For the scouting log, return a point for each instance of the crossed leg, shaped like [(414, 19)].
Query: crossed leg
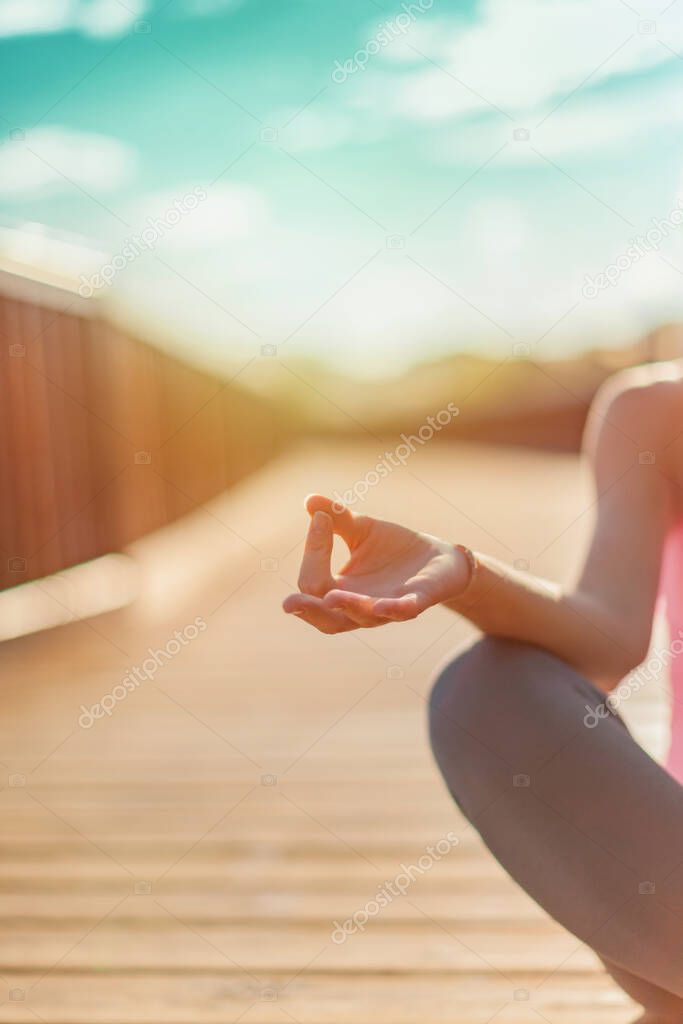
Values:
[(581, 817)]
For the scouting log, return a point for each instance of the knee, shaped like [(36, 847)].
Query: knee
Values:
[(452, 687), (478, 708), (467, 690)]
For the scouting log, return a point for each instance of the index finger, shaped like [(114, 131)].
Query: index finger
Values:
[(350, 526), (315, 575)]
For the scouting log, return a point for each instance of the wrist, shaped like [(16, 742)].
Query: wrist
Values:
[(465, 573)]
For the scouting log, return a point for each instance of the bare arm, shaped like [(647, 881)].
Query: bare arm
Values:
[(602, 623)]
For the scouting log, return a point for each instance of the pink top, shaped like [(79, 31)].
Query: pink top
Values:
[(672, 590)]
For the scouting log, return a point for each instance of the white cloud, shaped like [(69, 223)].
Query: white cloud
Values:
[(91, 17), (428, 95), (107, 18), (537, 61), (517, 262), (98, 18), (530, 54), (587, 126), (55, 159), (24, 17), (229, 211)]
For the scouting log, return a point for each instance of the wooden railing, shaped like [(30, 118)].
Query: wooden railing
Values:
[(104, 437)]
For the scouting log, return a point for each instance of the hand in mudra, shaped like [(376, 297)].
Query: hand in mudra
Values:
[(393, 573)]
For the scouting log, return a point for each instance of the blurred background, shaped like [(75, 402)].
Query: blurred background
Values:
[(250, 249), (341, 216)]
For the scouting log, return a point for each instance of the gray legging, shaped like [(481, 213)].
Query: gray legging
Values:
[(582, 818)]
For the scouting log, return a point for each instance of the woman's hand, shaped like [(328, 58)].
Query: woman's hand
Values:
[(393, 573)]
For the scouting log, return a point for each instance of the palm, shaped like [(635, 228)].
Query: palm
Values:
[(392, 561), (393, 573)]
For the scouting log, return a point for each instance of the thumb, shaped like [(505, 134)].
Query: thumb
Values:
[(315, 576)]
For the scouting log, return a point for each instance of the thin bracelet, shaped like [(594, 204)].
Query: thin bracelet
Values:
[(473, 563)]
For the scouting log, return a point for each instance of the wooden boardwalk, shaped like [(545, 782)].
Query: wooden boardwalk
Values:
[(184, 859)]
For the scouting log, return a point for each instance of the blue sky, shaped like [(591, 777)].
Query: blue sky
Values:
[(382, 181)]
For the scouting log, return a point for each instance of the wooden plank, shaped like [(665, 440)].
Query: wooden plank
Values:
[(111, 449), (23, 453), (9, 510), (429, 947), (52, 455), (241, 845), (265, 872), (469, 906), (71, 421), (213, 998)]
